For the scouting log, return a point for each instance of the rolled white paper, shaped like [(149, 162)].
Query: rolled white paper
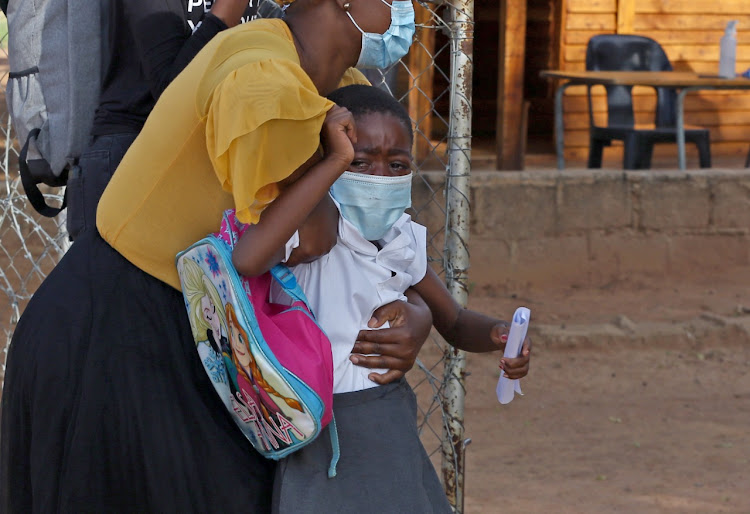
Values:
[(518, 328)]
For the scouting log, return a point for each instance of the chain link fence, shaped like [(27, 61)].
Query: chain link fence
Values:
[(434, 83)]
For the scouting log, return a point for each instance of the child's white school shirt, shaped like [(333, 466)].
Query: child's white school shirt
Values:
[(345, 287)]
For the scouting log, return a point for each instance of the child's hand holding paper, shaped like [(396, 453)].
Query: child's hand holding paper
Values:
[(506, 387)]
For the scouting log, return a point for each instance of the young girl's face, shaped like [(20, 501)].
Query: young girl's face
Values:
[(383, 146), (241, 352), (208, 310)]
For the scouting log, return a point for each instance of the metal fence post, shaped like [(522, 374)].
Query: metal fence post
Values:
[(456, 254)]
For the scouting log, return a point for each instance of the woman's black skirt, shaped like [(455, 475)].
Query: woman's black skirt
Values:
[(106, 406)]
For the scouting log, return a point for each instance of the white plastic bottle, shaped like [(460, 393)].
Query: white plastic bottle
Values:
[(728, 51)]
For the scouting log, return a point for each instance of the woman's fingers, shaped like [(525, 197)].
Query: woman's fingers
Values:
[(394, 348), (392, 312), (382, 362), (387, 377)]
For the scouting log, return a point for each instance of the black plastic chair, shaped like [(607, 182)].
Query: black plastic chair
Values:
[(618, 52)]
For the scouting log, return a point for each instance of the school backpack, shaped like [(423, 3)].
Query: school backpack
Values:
[(54, 53), (270, 364)]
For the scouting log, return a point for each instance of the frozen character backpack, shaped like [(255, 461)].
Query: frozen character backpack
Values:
[(269, 363)]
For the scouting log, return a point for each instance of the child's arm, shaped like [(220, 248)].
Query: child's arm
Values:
[(318, 234), (469, 330), (262, 244)]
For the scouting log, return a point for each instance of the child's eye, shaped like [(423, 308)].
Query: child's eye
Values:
[(359, 165)]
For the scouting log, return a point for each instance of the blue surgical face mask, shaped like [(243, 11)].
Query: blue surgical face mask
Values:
[(372, 203), (383, 50)]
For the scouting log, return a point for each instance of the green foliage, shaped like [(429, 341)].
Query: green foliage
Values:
[(4, 33)]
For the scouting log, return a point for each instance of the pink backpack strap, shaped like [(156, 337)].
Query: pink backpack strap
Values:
[(231, 228)]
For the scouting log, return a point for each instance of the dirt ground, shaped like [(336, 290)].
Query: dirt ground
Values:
[(638, 400)]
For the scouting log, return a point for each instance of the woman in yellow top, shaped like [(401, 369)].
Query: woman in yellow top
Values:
[(106, 406)]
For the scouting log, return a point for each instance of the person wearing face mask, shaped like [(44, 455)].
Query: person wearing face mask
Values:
[(380, 51), (106, 405), (379, 253)]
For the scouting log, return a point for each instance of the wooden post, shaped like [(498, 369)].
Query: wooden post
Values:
[(421, 82), (510, 97), (625, 16)]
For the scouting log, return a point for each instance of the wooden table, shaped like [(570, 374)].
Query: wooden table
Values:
[(685, 82)]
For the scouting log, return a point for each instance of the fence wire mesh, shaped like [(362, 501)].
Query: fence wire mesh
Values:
[(434, 82)]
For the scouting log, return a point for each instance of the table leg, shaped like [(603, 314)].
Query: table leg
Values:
[(681, 160), (560, 125)]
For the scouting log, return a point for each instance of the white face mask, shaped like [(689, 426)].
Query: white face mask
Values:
[(383, 50), (372, 203)]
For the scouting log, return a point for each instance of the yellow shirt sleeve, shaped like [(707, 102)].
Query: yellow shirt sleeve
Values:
[(263, 122)]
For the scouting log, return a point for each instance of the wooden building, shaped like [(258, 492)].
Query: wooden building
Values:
[(515, 39)]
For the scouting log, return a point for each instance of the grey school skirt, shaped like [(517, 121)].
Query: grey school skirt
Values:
[(383, 465)]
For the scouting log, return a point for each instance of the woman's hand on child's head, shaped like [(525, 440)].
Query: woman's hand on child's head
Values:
[(398, 346), (518, 367), (338, 135)]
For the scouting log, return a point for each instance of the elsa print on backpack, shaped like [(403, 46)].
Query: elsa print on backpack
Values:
[(269, 363), (233, 371), (208, 323)]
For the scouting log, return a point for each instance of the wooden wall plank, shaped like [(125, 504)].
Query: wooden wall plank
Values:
[(727, 7), (693, 103), (561, 20), (645, 91), (589, 6), (691, 53), (709, 68), (581, 37), (696, 21), (594, 21), (666, 37)]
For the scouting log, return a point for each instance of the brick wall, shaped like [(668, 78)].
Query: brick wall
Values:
[(591, 227)]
